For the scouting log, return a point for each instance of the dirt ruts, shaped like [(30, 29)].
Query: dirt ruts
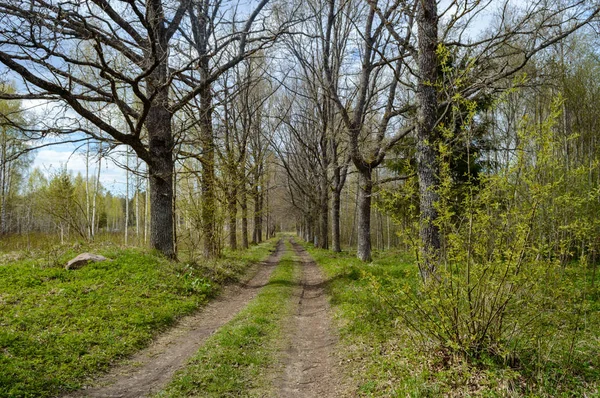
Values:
[(310, 364), (152, 368)]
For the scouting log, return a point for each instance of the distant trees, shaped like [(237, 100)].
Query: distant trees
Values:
[(13, 157), (57, 205)]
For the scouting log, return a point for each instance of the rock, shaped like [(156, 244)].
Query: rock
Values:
[(83, 259)]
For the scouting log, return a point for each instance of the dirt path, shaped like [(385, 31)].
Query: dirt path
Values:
[(153, 367), (310, 365)]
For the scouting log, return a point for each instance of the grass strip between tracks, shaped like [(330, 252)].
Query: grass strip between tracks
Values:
[(237, 360)]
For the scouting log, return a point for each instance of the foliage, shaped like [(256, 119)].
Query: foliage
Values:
[(14, 158), (505, 288), (384, 356)]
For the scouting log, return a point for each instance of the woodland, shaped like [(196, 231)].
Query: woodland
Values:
[(428, 167)]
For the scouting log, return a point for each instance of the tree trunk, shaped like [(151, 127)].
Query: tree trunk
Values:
[(137, 202), (211, 249), (261, 201), (365, 189), (127, 198), (255, 229), (244, 208), (309, 230), (96, 192), (160, 139), (146, 209), (3, 185), (335, 222), (427, 156), (324, 215), (232, 210), (90, 225), (161, 181)]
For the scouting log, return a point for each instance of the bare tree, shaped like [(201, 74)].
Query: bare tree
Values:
[(368, 115)]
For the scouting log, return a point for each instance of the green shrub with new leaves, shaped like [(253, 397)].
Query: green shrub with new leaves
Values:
[(513, 280)]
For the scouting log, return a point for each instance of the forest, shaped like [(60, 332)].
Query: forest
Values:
[(329, 198)]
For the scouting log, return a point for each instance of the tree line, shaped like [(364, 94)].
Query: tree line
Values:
[(258, 114)]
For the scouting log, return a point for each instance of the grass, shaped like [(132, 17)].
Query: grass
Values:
[(237, 359), (59, 327), (384, 358)]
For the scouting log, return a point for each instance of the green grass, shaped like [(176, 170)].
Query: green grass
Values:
[(384, 358), (237, 359), (59, 327)]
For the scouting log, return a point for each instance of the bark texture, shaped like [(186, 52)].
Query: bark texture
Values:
[(232, 210), (211, 247), (427, 140), (244, 211), (335, 223), (363, 251), (160, 140)]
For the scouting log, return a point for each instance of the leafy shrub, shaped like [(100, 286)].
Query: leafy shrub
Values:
[(504, 287)]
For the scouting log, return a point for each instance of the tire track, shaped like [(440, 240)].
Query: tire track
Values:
[(152, 368), (310, 365)]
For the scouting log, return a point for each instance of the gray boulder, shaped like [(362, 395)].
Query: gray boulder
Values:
[(84, 259)]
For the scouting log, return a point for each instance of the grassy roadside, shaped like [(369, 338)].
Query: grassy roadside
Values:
[(384, 360), (375, 363), (235, 361), (59, 327)]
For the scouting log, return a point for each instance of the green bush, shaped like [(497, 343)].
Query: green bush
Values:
[(514, 282)]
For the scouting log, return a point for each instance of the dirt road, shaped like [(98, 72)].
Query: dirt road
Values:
[(150, 369), (310, 364)]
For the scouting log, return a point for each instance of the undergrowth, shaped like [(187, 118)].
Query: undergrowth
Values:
[(386, 357)]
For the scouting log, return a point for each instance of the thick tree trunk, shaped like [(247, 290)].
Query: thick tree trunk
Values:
[(365, 189), (335, 222), (309, 230), (211, 247), (160, 139), (427, 156), (161, 180)]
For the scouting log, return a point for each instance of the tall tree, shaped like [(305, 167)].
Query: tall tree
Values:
[(367, 116), (427, 115)]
